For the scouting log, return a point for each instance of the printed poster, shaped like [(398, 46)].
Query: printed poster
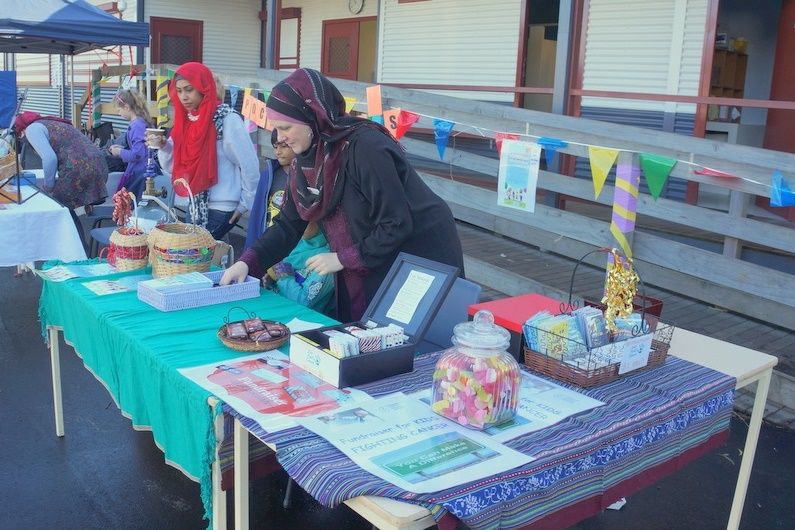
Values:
[(270, 390), (399, 439), (518, 175)]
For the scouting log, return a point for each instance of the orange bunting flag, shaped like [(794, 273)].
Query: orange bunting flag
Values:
[(405, 120), (656, 170), (247, 102), (500, 136), (374, 107), (391, 120), (602, 160)]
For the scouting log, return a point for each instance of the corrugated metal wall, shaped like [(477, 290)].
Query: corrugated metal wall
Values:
[(653, 46), (451, 42)]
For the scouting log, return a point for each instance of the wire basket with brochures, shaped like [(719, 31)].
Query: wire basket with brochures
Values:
[(588, 346)]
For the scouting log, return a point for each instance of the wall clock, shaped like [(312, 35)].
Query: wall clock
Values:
[(355, 6)]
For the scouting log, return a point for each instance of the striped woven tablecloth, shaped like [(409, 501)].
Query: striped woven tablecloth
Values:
[(653, 422)]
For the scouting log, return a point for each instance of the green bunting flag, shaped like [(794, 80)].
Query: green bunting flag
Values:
[(656, 170)]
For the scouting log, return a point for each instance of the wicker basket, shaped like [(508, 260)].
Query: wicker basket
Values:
[(128, 252), (248, 345), (586, 374), (176, 248), (587, 367)]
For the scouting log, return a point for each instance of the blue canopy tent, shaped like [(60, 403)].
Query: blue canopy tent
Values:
[(65, 27), (61, 27)]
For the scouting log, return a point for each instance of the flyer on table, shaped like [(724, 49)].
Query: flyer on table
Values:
[(267, 388), (400, 439)]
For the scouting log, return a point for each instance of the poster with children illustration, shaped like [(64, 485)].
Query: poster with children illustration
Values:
[(518, 175)]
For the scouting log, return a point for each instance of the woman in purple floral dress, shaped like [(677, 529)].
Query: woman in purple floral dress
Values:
[(79, 164)]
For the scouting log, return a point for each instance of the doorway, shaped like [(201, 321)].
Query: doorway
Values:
[(349, 49), (176, 41), (540, 49)]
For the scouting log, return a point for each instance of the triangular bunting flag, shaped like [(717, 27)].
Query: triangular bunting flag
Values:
[(349, 102), (391, 120), (441, 132), (500, 136), (377, 119), (656, 170), (405, 120), (781, 194), (714, 173), (602, 160), (550, 146), (374, 100), (233, 91)]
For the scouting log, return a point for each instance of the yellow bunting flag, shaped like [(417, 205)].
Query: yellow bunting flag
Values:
[(349, 103), (374, 107), (602, 160), (391, 120), (162, 101)]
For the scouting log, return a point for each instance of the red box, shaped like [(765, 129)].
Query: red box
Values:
[(511, 313)]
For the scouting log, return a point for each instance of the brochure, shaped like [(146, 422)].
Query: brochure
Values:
[(400, 439)]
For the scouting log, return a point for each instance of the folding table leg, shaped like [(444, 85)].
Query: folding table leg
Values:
[(749, 451), (241, 476), (55, 364), (219, 495)]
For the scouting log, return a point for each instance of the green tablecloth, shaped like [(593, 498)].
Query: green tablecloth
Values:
[(135, 350)]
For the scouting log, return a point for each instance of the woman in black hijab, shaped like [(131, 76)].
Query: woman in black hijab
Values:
[(351, 177)]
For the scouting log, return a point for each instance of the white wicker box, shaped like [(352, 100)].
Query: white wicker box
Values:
[(200, 297)]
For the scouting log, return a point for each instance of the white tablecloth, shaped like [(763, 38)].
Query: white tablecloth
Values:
[(39, 229)]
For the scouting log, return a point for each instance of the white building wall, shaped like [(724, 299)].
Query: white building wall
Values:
[(451, 42), (313, 14), (653, 46), (232, 30)]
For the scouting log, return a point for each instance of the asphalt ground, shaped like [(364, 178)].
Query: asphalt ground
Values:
[(104, 474)]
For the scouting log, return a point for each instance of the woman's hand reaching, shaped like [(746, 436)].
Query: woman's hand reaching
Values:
[(237, 273)]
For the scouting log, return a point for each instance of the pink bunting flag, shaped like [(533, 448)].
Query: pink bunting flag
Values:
[(405, 120), (714, 173), (374, 107), (500, 136)]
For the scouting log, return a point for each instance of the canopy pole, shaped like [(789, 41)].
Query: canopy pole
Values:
[(72, 86)]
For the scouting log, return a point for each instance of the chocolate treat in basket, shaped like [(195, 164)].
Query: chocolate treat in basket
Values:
[(253, 333), (588, 346)]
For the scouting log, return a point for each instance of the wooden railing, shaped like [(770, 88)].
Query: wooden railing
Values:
[(721, 279)]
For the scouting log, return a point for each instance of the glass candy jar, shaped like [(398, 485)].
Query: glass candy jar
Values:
[(476, 383)]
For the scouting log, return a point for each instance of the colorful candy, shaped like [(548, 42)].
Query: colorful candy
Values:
[(477, 383)]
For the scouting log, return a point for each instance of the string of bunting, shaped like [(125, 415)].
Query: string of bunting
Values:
[(655, 168)]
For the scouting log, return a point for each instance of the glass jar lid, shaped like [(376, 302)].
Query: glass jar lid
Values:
[(482, 333)]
